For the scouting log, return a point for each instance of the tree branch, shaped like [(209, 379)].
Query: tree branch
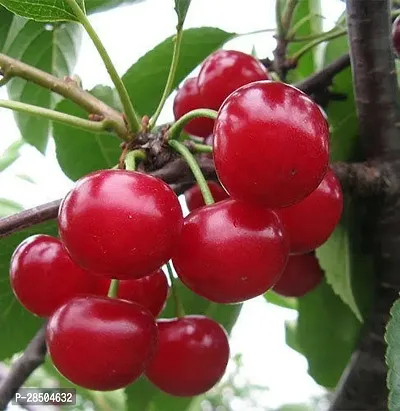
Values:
[(67, 88), (363, 386), (22, 368)]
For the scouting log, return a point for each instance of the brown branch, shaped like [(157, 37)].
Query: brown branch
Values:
[(67, 88), (323, 78), (363, 386), (33, 356)]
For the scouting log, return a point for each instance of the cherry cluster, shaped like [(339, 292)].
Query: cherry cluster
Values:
[(396, 35), (101, 285)]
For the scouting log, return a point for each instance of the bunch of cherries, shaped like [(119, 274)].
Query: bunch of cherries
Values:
[(101, 285)]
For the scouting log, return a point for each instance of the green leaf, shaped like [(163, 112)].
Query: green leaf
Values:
[(10, 155), (285, 302), (327, 331), (142, 395), (52, 48), (6, 19), (145, 80), (181, 8), (8, 207), (96, 6), (42, 10), (17, 325), (291, 337), (307, 64), (392, 338), (80, 152)]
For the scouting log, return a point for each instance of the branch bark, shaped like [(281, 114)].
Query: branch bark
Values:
[(22, 368), (67, 88), (363, 387)]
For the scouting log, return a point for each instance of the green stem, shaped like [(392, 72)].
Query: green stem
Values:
[(319, 36), (201, 148), (292, 32), (171, 77), (280, 32), (94, 126), (132, 157), (131, 116), (177, 128), (179, 310), (288, 15), (194, 166), (328, 36), (250, 33), (113, 290)]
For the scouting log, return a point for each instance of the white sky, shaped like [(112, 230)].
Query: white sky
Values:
[(128, 33)]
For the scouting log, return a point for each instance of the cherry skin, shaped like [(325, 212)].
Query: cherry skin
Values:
[(191, 356), (310, 222), (188, 98), (150, 292), (396, 35), (230, 252), (280, 137), (194, 198), (101, 343), (302, 274), (224, 71), (43, 276), (122, 224)]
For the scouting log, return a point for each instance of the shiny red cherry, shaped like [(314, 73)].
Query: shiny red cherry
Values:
[(188, 98), (230, 252), (100, 343), (43, 276), (123, 224), (191, 356), (301, 275), (194, 198), (310, 222), (151, 291), (396, 35), (224, 71), (280, 139)]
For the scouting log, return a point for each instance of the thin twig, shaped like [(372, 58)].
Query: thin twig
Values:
[(33, 356)]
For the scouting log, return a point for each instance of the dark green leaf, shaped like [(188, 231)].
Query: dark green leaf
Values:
[(327, 331), (144, 396), (145, 80), (8, 207), (6, 18), (285, 302), (392, 338), (306, 65), (52, 48), (17, 325), (10, 155), (181, 8), (42, 10), (96, 6), (80, 152)]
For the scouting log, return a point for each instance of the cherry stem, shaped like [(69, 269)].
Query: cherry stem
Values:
[(132, 158), (201, 148), (113, 290), (196, 170), (179, 310), (131, 116), (176, 129)]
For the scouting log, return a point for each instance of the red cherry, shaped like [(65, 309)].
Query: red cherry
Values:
[(151, 291), (101, 343), (191, 356), (396, 35), (194, 198), (187, 99), (225, 71), (309, 223), (43, 276), (122, 224), (302, 274), (279, 137), (230, 252)]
